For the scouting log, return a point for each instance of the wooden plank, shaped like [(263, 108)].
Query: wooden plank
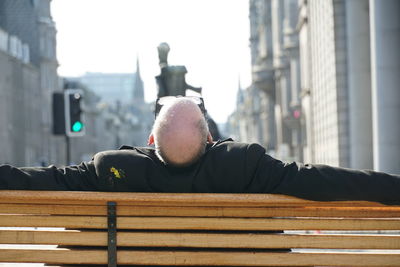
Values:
[(213, 258), (53, 209), (42, 237), (168, 199), (202, 240), (187, 223), (260, 241), (259, 212), (92, 222)]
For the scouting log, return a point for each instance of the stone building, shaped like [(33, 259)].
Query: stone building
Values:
[(274, 97), (330, 73), (353, 100), (112, 88), (249, 122), (28, 76)]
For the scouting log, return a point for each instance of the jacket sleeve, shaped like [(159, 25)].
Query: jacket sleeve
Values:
[(321, 182), (77, 178)]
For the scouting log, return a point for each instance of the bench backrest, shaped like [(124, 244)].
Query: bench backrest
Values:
[(195, 229)]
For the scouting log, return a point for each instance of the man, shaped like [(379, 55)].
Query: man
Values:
[(186, 159)]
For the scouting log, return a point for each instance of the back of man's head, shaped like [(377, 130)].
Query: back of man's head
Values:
[(180, 133)]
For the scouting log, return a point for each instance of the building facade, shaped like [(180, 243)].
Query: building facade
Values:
[(113, 88), (329, 71), (28, 77)]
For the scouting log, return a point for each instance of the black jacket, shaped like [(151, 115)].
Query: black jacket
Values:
[(226, 167)]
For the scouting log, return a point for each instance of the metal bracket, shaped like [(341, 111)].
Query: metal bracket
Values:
[(112, 233)]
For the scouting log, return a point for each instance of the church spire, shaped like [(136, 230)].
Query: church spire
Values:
[(137, 65), (239, 94), (138, 90)]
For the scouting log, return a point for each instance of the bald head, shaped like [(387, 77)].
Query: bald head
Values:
[(180, 133)]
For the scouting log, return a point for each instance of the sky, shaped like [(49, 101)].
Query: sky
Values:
[(209, 37)]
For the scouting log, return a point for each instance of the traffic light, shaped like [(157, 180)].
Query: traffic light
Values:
[(74, 125)]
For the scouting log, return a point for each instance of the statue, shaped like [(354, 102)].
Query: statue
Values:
[(171, 81)]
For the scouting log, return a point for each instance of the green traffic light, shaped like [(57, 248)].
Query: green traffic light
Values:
[(77, 126)]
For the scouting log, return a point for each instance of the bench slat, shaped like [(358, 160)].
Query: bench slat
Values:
[(202, 240), (169, 199), (185, 223), (349, 212), (227, 258)]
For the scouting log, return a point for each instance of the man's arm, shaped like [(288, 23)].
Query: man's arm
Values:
[(322, 182), (78, 178)]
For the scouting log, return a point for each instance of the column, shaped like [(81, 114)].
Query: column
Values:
[(359, 84), (385, 69)]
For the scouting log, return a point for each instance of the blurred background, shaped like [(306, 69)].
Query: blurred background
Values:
[(315, 81)]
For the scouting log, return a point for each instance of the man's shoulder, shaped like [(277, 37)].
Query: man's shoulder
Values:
[(232, 147), (234, 144), (126, 160), (125, 169), (125, 151)]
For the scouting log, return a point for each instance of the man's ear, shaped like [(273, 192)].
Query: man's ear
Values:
[(150, 141), (210, 138)]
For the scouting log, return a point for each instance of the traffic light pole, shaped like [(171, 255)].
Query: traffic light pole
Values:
[(68, 150)]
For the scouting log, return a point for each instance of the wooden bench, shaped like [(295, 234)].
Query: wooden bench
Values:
[(195, 229)]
